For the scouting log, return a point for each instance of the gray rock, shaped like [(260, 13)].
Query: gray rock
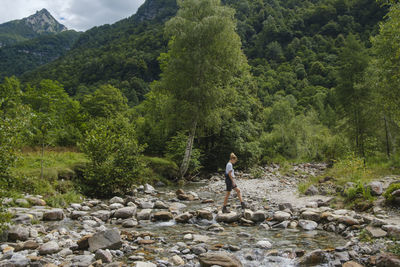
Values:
[(283, 206), (144, 214), (148, 189), (125, 213), (160, 205), (183, 218), (228, 217), (375, 232), (110, 239), (129, 223), (18, 233), (392, 230), (264, 244), (117, 200), (376, 188), (146, 205), (76, 206), (220, 259), (103, 255), (311, 191), (19, 260), (103, 215), (204, 214), (116, 206), (281, 216), (281, 225), (65, 252), (177, 261), (310, 215), (53, 215), (50, 247), (83, 260), (258, 216), (199, 249), (308, 225), (77, 214)]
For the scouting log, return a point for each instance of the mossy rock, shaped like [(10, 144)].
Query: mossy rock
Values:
[(163, 167), (390, 197)]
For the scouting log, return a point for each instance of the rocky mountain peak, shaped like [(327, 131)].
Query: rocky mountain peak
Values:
[(43, 22)]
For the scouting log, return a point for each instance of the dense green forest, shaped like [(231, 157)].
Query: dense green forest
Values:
[(314, 81), (28, 55)]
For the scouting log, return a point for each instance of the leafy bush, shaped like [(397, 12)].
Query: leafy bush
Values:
[(390, 190), (115, 158), (175, 151)]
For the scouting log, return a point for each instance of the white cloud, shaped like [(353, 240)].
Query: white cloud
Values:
[(75, 14)]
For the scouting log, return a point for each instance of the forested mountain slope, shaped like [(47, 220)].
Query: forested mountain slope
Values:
[(291, 45)]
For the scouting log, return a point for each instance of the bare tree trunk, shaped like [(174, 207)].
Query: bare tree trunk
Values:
[(387, 137), (188, 151), (41, 161)]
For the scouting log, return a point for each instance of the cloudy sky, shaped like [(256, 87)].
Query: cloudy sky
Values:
[(75, 14)]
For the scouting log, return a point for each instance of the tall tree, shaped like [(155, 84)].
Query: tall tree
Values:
[(386, 46), (352, 93), (204, 56)]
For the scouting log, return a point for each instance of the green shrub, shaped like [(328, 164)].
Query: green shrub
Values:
[(115, 158), (390, 190), (256, 172)]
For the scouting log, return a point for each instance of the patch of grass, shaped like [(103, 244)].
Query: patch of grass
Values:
[(365, 237), (64, 200), (394, 248), (162, 166), (54, 162)]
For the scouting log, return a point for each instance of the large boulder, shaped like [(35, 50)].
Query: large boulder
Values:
[(222, 259), (144, 264), (144, 214), (110, 239), (117, 200), (376, 188), (281, 216), (125, 213), (50, 247), (18, 233), (228, 217), (53, 215), (103, 215)]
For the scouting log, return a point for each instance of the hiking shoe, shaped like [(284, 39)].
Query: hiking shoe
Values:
[(243, 205), (225, 209)]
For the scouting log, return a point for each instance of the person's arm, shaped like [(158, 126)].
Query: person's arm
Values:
[(230, 176)]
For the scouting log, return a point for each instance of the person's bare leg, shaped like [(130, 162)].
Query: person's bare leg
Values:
[(226, 197), (239, 194)]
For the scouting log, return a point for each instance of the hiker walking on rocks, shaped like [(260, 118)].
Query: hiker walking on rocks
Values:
[(230, 183)]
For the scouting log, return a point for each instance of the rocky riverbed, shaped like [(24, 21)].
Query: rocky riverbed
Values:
[(168, 227)]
